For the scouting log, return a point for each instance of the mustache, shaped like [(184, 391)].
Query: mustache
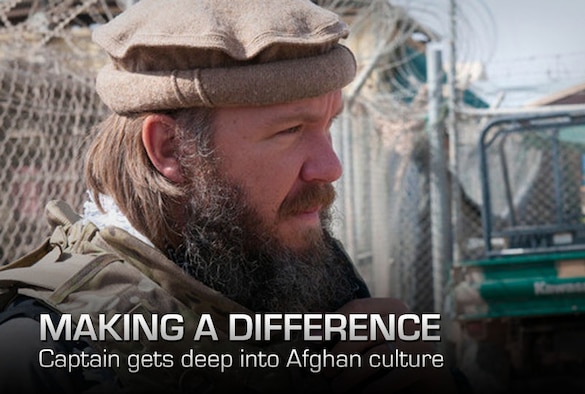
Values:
[(308, 197)]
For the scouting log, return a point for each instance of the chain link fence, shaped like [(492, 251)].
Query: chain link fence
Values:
[(44, 120), (384, 202), (47, 109)]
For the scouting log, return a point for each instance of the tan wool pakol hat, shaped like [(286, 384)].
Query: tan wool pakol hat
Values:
[(185, 53)]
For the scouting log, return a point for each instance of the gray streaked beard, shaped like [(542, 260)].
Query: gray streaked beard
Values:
[(228, 248)]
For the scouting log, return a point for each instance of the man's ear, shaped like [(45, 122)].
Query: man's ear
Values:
[(160, 141)]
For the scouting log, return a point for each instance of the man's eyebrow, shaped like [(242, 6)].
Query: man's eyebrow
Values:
[(291, 117), (303, 114)]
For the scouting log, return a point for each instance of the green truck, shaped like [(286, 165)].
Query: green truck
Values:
[(519, 310)]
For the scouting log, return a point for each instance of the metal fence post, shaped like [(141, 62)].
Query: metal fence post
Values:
[(440, 218)]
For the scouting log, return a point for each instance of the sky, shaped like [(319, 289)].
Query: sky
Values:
[(528, 48)]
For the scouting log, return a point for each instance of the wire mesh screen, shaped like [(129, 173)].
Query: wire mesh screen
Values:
[(45, 118), (47, 109)]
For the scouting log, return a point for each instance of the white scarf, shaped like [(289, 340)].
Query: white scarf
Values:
[(111, 217)]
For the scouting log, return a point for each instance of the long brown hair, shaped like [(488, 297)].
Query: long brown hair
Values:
[(117, 165)]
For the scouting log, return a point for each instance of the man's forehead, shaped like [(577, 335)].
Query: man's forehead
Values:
[(310, 110), (313, 110)]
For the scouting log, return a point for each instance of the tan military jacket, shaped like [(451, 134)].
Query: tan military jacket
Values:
[(81, 269)]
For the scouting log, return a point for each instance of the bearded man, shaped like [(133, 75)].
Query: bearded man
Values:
[(210, 192)]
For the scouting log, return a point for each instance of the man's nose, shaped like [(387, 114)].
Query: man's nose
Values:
[(322, 164)]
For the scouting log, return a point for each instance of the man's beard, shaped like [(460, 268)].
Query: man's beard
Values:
[(228, 247)]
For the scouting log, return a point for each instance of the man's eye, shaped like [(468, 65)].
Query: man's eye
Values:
[(291, 130)]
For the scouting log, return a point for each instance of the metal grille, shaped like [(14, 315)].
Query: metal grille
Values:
[(533, 174)]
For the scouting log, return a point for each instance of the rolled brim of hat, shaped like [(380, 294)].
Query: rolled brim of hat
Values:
[(246, 85)]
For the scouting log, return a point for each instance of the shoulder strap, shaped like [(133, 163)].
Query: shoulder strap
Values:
[(60, 264), (60, 214)]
